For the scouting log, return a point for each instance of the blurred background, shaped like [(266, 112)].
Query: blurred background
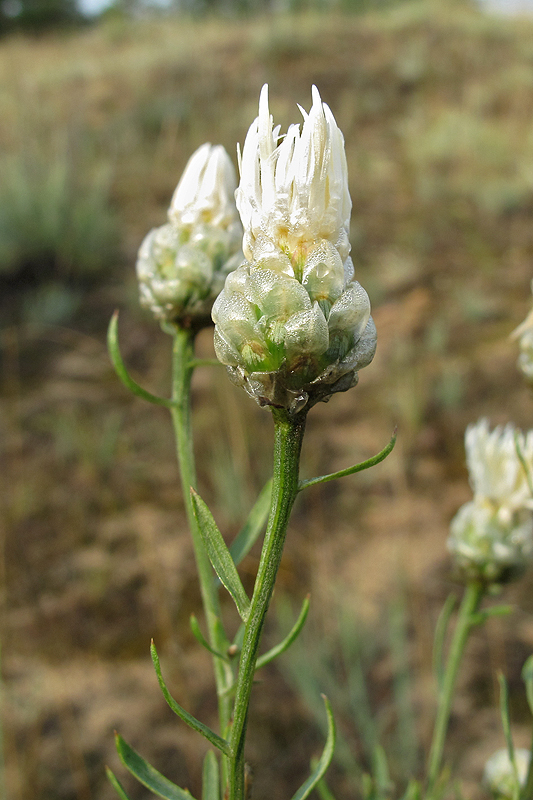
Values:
[(100, 107)]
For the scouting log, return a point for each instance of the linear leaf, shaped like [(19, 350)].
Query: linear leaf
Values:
[(148, 775), (122, 372), (527, 677), (249, 533), (198, 635), (219, 555), (117, 786), (506, 723), (289, 639), (210, 777), (441, 629), (325, 759), (370, 462), (194, 723)]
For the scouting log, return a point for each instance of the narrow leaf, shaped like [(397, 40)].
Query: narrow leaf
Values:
[(122, 372), (148, 775), (527, 677), (381, 772), (496, 611), (506, 723), (413, 791), (441, 629), (219, 555), (194, 723), (351, 470), (324, 792), (198, 635), (325, 759), (117, 786), (210, 777), (289, 639), (249, 533)]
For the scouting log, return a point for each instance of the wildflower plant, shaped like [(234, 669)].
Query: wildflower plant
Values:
[(292, 327)]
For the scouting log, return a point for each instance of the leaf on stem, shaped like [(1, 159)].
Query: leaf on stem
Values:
[(198, 635), (351, 470), (219, 555), (289, 639), (496, 611), (249, 533), (210, 777), (506, 723), (116, 784), (193, 723), (441, 630), (122, 372), (148, 775), (325, 759)]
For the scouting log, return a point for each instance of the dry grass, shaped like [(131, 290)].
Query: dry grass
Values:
[(435, 102)]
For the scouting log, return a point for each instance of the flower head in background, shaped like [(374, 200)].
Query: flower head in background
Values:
[(524, 334), (292, 325), (500, 777), (491, 537), (182, 265)]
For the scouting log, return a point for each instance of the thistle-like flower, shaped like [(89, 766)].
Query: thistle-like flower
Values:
[(292, 325), (491, 537), (500, 777), (524, 334), (182, 265)]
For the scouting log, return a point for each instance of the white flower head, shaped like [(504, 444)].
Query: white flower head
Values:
[(206, 190), (496, 462), (294, 188), (182, 265), (491, 537), (292, 325)]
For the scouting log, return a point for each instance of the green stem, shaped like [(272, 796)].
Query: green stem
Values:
[(182, 370), (466, 620), (289, 433)]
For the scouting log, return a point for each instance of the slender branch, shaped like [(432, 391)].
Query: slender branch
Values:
[(467, 618), (182, 369), (289, 433)]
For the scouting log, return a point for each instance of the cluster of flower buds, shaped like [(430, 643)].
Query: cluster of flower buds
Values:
[(524, 334), (491, 537), (182, 265), (292, 325)]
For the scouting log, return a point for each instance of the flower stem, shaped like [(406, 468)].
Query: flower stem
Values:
[(466, 620), (289, 431), (182, 370)]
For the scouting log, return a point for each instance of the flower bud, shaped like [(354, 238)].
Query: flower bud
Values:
[(292, 325), (499, 775), (491, 537), (182, 265)]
